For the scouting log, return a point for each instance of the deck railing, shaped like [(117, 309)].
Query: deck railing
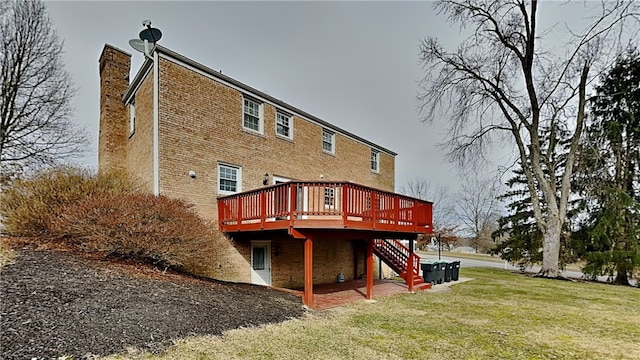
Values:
[(319, 204)]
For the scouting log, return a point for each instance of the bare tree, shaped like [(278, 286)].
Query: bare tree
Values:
[(503, 84), (477, 209), (36, 91), (443, 202)]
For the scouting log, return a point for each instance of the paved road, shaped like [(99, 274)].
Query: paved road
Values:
[(501, 265)]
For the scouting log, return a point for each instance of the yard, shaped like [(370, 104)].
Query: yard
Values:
[(498, 315)]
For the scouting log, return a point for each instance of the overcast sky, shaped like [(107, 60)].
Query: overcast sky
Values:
[(353, 64)]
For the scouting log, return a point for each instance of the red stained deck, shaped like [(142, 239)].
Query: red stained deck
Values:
[(324, 205), (312, 209)]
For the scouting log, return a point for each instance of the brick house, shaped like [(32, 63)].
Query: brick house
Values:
[(190, 132)]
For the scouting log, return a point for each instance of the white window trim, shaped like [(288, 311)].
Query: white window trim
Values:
[(132, 118), (290, 117), (333, 141), (260, 116), (238, 179), (377, 154)]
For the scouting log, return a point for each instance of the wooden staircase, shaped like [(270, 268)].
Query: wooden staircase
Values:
[(401, 260)]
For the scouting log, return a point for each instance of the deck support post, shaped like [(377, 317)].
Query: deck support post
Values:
[(308, 272), (369, 268)]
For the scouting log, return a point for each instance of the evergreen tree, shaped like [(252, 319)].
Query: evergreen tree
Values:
[(610, 174), (520, 240)]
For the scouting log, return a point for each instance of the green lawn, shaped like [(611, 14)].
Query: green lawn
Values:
[(499, 315)]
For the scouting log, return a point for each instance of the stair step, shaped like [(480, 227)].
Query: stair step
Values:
[(398, 262), (422, 287)]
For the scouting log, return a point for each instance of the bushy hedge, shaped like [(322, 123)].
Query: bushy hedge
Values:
[(155, 229), (27, 204), (105, 214)]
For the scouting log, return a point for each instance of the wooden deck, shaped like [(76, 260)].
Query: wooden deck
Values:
[(323, 205), (312, 210)]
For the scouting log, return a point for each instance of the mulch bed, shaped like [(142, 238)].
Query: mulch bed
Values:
[(59, 303)]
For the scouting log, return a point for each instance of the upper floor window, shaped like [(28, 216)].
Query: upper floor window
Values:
[(132, 118), (229, 179), (375, 160), (284, 125), (328, 141), (252, 115)]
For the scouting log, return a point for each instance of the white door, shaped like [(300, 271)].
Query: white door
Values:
[(261, 262)]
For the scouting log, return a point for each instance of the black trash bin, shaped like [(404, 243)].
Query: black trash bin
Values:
[(455, 273), (447, 271), (429, 271), (442, 267)]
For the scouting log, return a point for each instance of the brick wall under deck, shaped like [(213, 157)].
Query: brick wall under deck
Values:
[(330, 258)]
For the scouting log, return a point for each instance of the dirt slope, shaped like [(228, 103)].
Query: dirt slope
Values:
[(56, 303)]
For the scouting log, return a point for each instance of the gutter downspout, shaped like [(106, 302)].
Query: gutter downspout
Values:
[(156, 126)]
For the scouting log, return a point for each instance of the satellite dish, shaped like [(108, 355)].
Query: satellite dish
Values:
[(151, 34), (148, 39), (140, 45)]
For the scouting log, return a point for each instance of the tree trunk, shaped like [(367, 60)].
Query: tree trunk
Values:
[(621, 275), (551, 248)]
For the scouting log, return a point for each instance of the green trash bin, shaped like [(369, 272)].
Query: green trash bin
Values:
[(448, 270), (442, 267), (455, 274), (429, 271)]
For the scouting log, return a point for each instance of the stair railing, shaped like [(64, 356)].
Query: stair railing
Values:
[(399, 257)]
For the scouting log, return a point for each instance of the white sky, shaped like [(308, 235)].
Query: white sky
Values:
[(353, 64)]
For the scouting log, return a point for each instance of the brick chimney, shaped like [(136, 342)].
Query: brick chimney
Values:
[(114, 65)]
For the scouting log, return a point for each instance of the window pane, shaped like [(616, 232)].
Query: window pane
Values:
[(327, 140), (228, 178), (374, 160), (282, 124), (259, 258), (283, 130), (251, 122), (251, 115), (227, 185), (329, 196)]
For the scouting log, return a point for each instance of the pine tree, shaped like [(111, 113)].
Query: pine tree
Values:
[(610, 173)]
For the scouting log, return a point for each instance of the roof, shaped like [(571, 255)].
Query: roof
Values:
[(245, 88)]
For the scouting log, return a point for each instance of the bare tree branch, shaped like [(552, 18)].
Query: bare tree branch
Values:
[(501, 80), (36, 91)]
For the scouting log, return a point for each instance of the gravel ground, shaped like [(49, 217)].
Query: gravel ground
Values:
[(57, 303)]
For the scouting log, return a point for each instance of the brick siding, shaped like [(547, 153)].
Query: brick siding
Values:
[(200, 125)]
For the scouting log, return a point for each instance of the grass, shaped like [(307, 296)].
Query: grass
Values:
[(497, 315)]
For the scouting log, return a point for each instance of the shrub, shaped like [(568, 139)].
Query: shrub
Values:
[(27, 204), (104, 214), (154, 229)]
